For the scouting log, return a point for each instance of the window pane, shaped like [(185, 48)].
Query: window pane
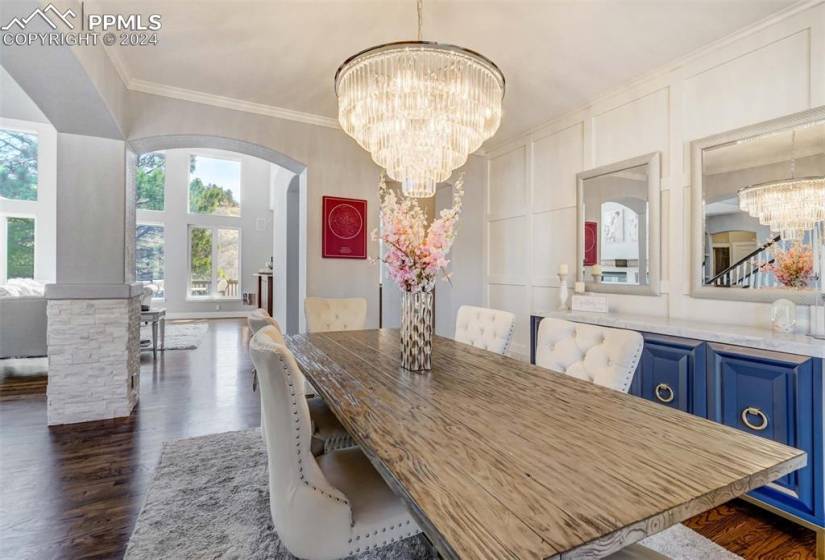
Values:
[(18, 165), (151, 178), (228, 262), (200, 263), (214, 186), (20, 245), (149, 257)]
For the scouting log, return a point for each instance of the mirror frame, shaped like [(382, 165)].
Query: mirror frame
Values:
[(653, 161), (697, 223)]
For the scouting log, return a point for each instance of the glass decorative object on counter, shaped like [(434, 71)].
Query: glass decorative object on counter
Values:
[(783, 316)]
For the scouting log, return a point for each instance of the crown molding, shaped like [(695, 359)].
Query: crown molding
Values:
[(496, 145), (163, 90), (194, 96)]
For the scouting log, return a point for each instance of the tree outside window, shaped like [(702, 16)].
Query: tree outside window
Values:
[(214, 262), (200, 261), (20, 247), (18, 165), (151, 181), (214, 186)]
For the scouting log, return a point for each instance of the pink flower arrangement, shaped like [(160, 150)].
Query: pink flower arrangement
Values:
[(414, 253), (793, 267)]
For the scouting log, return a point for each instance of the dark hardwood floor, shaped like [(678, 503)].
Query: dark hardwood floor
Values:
[(75, 491)]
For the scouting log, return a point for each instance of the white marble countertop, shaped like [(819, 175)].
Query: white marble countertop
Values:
[(750, 337)]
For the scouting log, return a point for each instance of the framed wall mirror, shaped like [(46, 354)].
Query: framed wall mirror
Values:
[(748, 242), (618, 226)]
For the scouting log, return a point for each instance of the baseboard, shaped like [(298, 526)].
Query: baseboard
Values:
[(239, 314)]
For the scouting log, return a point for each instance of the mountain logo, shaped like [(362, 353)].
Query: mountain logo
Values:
[(44, 14)]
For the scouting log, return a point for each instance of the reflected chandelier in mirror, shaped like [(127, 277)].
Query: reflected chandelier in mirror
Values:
[(758, 210)]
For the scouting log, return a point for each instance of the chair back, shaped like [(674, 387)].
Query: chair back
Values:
[(306, 509), (601, 355), (485, 328), (259, 319), (335, 314)]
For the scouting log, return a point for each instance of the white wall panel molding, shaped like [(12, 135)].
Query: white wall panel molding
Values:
[(640, 126), (507, 248), (764, 83), (767, 70), (557, 157), (496, 280), (507, 192), (554, 243), (800, 14)]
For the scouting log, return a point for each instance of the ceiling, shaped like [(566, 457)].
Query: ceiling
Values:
[(555, 55), (775, 147)]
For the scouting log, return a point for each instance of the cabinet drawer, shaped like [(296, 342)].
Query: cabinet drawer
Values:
[(672, 373), (770, 395)]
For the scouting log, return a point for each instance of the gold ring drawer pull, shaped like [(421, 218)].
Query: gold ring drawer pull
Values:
[(753, 411), (664, 393)]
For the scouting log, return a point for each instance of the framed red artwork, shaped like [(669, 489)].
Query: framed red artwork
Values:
[(345, 228), (591, 243)]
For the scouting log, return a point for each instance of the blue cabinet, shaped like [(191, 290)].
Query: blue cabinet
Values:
[(672, 372), (768, 394), (776, 396)]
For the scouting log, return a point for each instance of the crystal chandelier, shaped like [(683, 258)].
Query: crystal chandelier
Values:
[(790, 207), (419, 108)]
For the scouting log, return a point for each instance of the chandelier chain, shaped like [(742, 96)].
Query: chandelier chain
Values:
[(420, 9)]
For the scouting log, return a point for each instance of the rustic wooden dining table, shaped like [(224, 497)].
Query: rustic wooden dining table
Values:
[(497, 458)]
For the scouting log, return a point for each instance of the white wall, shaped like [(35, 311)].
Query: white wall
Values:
[(91, 210), (771, 70), (466, 259), (255, 223)]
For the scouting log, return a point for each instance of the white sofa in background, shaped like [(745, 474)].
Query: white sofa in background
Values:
[(22, 319)]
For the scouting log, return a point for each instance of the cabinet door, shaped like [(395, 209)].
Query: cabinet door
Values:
[(672, 373), (770, 395)]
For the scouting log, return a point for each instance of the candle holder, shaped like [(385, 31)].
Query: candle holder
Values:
[(564, 293)]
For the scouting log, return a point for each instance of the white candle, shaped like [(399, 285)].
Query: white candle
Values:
[(579, 287), (596, 270), (563, 269)]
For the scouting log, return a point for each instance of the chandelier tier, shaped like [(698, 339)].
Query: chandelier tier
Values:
[(419, 108), (790, 207)]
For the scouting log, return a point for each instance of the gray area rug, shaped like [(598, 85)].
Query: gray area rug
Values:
[(179, 336), (209, 499)]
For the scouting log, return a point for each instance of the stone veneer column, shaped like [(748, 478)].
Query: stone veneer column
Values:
[(94, 354), (93, 331)]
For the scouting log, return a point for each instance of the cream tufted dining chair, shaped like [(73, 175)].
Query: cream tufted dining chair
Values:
[(335, 314), (326, 508), (604, 356), (326, 428), (489, 329)]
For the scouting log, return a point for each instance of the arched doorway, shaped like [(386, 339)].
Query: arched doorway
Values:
[(287, 191)]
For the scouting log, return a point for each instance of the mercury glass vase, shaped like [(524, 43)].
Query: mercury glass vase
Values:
[(417, 330)]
